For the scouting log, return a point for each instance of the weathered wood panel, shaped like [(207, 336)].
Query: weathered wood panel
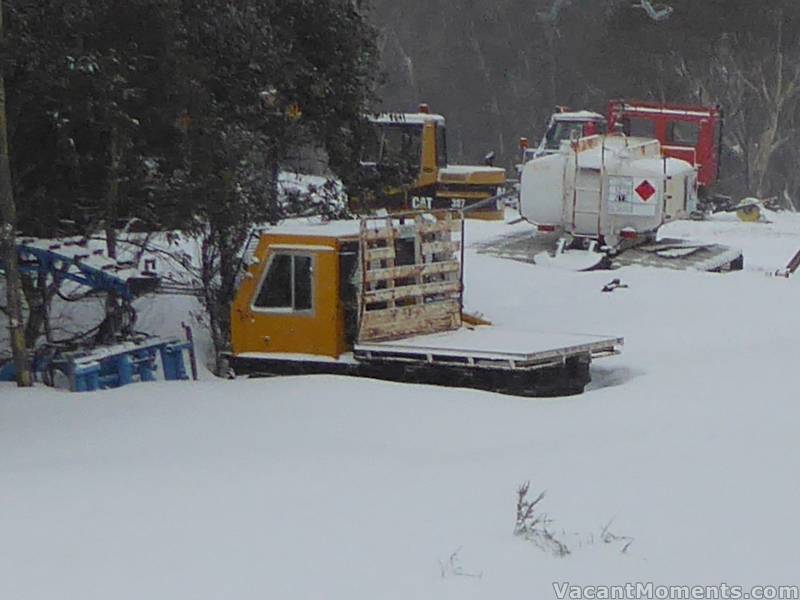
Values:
[(426, 227), (377, 234), (404, 321), (383, 253), (443, 247), (404, 271), (410, 291)]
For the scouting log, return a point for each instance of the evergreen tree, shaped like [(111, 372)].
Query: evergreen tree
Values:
[(8, 249), (86, 93), (179, 113), (257, 80)]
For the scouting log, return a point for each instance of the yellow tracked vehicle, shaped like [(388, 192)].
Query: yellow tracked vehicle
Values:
[(382, 298)]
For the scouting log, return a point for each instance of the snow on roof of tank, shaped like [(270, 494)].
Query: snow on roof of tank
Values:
[(578, 115), (668, 166), (656, 166), (611, 150), (413, 118)]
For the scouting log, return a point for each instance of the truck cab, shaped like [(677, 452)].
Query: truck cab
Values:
[(566, 125), (296, 296)]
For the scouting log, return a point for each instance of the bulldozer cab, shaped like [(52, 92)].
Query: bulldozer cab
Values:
[(412, 140), (417, 143), (392, 144)]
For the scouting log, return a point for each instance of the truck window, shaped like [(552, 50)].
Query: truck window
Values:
[(562, 130), (636, 127), (683, 133), (302, 282), (287, 284), (441, 146)]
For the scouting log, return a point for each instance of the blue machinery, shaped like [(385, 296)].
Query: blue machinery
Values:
[(103, 366), (72, 259), (121, 364)]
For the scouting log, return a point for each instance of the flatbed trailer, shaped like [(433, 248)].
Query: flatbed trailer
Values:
[(383, 299), (521, 363)]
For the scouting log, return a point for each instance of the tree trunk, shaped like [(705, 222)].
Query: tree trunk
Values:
[(8, 244), (38, 295), (112, 195), (113, 321), (273, 204), (212, 300)]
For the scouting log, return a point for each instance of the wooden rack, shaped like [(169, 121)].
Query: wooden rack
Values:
[(412, 274)]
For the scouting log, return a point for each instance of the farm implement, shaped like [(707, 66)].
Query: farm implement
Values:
[(80, 363)]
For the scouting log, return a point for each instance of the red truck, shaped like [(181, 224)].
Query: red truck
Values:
[(690, 133)]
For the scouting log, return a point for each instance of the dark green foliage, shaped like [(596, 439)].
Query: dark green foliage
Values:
[(189, 97), (256, 80), (78, 73), (178, 114)]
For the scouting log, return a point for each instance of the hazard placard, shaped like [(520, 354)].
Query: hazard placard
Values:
[(645, 190), (630, 196)]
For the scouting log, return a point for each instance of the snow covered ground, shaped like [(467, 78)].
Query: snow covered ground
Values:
[(325, 487)]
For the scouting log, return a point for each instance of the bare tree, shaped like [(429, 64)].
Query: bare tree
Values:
[(774, 83), (756, 81), (8, 244)]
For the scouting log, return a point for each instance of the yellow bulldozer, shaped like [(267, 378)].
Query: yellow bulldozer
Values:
[(420, 137)]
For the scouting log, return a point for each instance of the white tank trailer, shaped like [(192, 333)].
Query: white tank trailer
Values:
[(608, 188)]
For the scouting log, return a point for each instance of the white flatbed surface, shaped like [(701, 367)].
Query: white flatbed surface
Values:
[(495, 341)]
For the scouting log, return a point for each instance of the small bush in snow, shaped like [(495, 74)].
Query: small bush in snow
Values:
[(452, 567), (607, 537), (533, 525)]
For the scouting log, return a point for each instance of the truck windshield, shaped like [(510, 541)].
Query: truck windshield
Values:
[(393, 143), (560, 131)]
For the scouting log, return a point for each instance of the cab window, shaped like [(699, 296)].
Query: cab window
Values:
[(635, 127), (441, 146), (288, 283), (683, 133)]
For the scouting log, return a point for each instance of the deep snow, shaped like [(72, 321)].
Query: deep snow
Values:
[(325, 487)]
